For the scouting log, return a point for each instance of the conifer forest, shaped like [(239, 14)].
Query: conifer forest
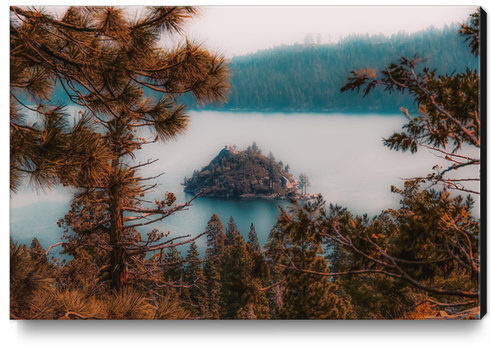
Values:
[(117, 259)]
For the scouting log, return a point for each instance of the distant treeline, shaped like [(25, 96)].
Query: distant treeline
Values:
[(308, 77)]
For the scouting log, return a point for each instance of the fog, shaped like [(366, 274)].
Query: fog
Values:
[(238, 30)]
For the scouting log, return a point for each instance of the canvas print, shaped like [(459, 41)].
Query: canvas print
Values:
[(246, 163)]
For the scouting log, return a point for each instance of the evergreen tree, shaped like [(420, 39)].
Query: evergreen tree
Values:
[(273, 247), (448, 108), (308, 40), (272, 169), (304, 182), (253, 240), (174, 269), (31, 284), (215, 243), (235, 274), (254, 293), (319, 39), (420, 243), (214, 252), (113, 68), (297, 250), (255, 148), (232, 233), (194, 276), (243, 274), (213, 287)]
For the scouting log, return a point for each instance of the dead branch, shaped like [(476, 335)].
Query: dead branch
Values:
[(57, 244), (143, 249)]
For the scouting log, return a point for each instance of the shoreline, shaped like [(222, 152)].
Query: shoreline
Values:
[(298, 197)]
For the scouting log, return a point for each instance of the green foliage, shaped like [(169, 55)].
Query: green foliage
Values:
[(448, 107), (472, 32), (429, 245), (432, 242), (174, 272), (243, 273), (253, 241), (297, 250), (232, 233), (113, 67), (235, 272), (194, 275), (213, 287), (215, 243), (307, 77)]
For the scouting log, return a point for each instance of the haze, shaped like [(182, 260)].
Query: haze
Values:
[(238, 30)]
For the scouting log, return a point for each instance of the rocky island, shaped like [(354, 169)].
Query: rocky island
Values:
[(247, 174)]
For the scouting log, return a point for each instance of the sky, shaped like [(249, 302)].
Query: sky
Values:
[(238, 30)]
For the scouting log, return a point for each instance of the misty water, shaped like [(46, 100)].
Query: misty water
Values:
[(342, 154)]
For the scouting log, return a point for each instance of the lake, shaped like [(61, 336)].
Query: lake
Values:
[(342, 154)]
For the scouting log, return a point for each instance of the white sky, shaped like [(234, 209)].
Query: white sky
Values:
[(237, 30)]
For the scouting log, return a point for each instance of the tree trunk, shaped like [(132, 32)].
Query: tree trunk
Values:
[(117, 253), (116, 230)]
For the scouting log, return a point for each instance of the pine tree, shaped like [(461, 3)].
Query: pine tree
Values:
[(254, 293), (31, 284), (255, 148), (174, 269), (244, 272), (194, 276), (273, 247), (235, 274), (232, 233), (448, 110), (304, 182), (114, 69), (297, 251), (213, 287), (272, 169), (253, 241), (215, 249), (215, 243)]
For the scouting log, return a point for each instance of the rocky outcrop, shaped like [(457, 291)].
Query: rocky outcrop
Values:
[(245, 174)]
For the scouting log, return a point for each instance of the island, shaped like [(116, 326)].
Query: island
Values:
[(247, 174)]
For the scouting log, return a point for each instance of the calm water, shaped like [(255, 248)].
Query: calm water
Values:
[(342, 154)]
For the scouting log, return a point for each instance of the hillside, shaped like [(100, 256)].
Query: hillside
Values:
[(243, 174), (308, 77)]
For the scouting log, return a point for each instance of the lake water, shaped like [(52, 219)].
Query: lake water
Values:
[(342, 154)]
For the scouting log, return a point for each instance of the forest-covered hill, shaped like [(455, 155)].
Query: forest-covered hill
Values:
[(245, 174), (308, 77)]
